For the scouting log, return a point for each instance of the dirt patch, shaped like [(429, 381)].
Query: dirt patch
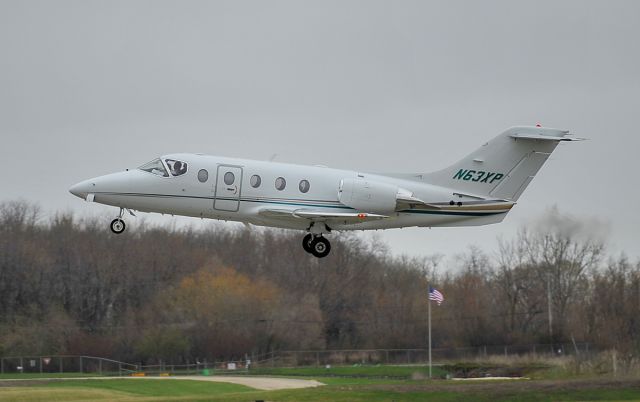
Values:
[(262, 383)]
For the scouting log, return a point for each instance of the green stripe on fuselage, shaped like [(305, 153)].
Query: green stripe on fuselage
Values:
[(301, 203)]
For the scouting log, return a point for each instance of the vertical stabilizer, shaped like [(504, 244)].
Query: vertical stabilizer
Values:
[(503, 167)]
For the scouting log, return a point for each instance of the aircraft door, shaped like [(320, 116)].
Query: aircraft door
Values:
[(228, 188)]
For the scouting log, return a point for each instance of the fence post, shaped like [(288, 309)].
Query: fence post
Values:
[(120, 369), (1, 365), (60, 364), (505, 351), (386, 352), (100, 366), (534, 350), (22, 363), (81, 364), (317, 359), (408, 357), (40, 364)]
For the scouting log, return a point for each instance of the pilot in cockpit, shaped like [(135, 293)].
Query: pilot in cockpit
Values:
[(177, 168)]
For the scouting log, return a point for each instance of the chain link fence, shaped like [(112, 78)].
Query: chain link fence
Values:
[(64, 364), (56, 365), (292, 358), (90, 365)]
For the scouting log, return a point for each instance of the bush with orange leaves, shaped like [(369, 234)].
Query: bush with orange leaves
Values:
[(224, 313)]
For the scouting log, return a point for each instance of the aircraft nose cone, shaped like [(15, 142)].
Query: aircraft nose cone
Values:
[(81, 189)]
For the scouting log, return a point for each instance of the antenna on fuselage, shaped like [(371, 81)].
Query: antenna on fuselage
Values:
[(273, 157)]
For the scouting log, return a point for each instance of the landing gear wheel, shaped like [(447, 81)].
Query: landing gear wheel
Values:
[(306, 243), (320, 247), (117, 226)]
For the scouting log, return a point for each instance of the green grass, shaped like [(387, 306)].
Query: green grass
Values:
[(357, 383), (352, 371), (338, 389), (358, 395), (367, 390), (155, 387), (8, 376), (125, 390)]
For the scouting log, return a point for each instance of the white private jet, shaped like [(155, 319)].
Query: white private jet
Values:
[(478, 190)]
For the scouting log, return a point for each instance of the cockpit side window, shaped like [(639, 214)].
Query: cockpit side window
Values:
[(177, 168), (156, 167)]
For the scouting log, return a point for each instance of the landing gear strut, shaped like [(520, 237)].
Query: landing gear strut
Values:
[(306, 243), (316, 245), (117, 225)]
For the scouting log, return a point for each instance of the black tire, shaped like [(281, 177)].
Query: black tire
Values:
[(118, 226), (306, 243), (320, 247)]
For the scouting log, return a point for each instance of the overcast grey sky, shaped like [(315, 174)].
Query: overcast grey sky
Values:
[(91, 87)]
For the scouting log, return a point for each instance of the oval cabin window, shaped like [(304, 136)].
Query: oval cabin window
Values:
[(255, 181), (203, 175), (304, 186), (229, 178)]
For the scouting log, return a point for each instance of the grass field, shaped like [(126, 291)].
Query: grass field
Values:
[(404, 372), (7, 376), (337, 389), (342, 384), (122, 390)]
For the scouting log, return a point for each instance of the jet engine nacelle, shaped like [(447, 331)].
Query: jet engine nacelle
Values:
[(368, 196)]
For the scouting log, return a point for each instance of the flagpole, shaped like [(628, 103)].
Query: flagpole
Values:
[(429, 309)]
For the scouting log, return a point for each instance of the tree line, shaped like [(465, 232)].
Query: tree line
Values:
[(69, 286)]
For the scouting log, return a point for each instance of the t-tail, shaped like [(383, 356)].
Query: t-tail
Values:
[(503, 167)]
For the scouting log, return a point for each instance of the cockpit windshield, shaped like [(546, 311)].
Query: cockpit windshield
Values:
[(177, 168), (156, 167)]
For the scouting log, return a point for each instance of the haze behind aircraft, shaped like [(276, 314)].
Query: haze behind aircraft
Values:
[(480, 189)]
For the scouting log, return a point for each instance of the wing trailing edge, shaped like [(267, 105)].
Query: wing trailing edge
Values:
[(320, 215)]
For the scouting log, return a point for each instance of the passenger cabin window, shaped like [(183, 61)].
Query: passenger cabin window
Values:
[(255, 181), (177, 168), (281, 183), (203, 175), (156, 167), (304, 186), (229, 178)]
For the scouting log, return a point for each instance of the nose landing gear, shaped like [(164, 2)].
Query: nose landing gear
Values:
[(117, 225), (316, 245)]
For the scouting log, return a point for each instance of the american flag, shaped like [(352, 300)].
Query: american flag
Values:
[(435, 295)]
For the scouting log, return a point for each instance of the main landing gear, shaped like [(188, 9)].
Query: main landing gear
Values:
[(316, 245), (117, 225)]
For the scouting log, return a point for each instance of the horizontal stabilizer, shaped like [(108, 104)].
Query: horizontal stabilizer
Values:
[(544, 137)]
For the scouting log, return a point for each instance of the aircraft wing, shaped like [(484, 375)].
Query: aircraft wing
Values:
[(321, 215)]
